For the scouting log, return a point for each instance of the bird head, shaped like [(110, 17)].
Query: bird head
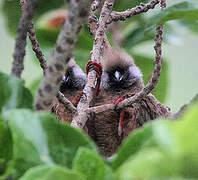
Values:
[(74, 78), (120, 72)]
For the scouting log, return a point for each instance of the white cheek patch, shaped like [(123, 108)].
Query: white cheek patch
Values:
[(135, 71), (78, 72), (104, 80)]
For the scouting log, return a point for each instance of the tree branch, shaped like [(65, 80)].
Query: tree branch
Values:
[(163, 4), (115, 16), (92, 23), (155, 75), (67, 104), (19, 51), (34, 41), (184, 107), (148, 88), (95, 5), (61, 54), (99, 42), (36, 48)]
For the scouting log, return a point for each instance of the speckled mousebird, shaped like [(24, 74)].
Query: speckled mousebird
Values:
[(121, 78), (72, 84)]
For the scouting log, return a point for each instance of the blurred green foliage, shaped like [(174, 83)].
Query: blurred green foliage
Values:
[(13, 93), (36, 146)]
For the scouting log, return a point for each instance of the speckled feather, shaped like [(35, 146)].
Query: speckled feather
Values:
[(71, 85)]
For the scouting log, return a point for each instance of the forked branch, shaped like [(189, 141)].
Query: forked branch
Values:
[(36, 48), (67, 104), (141, 8), (34, 41), (83, 108), (99, 42), (150, 85)]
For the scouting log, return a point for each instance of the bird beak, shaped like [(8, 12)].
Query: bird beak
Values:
[(118, 76), (65, 78)]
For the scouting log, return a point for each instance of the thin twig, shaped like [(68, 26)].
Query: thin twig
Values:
[(95, 5), (155, 75), (92, 23), (67, 104), (36, 48), (101, 108), (20, 44), (141, 8), (99, 42), (61, 54), (184, 107), (147, 89), (34, 41), (163, 4)]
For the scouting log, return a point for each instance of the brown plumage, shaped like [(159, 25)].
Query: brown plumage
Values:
[(72, 83), (121, 78)]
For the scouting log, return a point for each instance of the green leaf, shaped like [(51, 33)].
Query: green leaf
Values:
[(6, 147), (45, 172), (90, 164), (186, 144), (192, 25), (171, 152), (183, 10), (35, 85), (39, 139), (149, 164), (146, 66), (136, 37), (81, 58), (13, 94), (132, 145), (109, 174)]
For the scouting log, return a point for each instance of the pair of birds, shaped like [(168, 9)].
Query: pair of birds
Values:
[(121, 78)]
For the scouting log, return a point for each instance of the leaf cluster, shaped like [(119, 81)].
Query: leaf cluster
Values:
[(34, 145)]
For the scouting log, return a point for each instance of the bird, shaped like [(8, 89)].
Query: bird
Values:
[(71, 86), (121, 79)]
